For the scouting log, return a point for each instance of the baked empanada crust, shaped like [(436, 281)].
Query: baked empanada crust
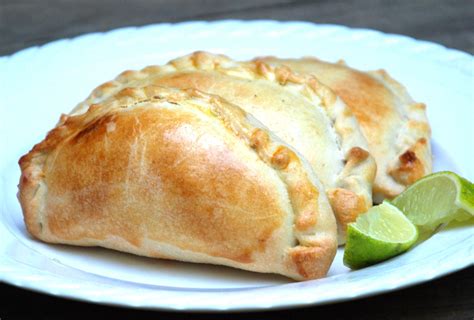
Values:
[(396, 127), (178, 175), (299, 109)]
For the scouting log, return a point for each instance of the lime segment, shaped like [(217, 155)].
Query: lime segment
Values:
[(436, 199), (379, 234)]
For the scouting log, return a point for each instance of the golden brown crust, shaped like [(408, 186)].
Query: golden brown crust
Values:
[(392, 122), (307, 260), (28, 196), (167, 173), (412, 140), (346, 205), (358, 155), (411, 167), (324, 135)]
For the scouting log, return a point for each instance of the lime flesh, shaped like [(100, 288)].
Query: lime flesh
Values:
[(437, 199), (379, 234)]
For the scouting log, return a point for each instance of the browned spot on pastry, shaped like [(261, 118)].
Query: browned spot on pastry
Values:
[(358, 154), (259, 139), (53, 137), (306, 219), (199, 58), (284, 75), (305, 197), (262, 68), (281, 158), (91, 127), (408, 158), (200, 80), (367, 98), (245, 257), (93, 107), (313, 262), (163, 174), (263, 239), (126, 92), (84, 132), (152, 69), (346, 205), (410, 166), (24, 178)]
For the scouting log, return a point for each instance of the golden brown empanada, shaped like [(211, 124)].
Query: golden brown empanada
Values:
[(299, 109), (178, 175), (396, 127)]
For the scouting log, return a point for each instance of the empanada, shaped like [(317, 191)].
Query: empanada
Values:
[(396, 127), (178, 175), (299, 109)]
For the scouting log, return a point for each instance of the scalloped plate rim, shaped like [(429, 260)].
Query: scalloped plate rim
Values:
[(225, 21)]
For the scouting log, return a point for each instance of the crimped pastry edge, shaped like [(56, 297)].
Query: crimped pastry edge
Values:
[(309, 259), (355, 181), (413, 158)]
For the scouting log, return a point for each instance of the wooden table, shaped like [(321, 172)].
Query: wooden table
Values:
[(28, 22)]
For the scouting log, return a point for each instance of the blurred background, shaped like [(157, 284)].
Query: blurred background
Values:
[(25, 23)]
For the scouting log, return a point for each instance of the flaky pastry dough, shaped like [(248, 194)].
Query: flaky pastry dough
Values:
[(178, 174), (299, 109), (396, 127)]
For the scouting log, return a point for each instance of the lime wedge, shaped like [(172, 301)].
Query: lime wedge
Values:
[(377, 235), (436, 199)]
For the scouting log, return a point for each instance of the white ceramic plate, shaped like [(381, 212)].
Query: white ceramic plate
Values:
[(37, 84)]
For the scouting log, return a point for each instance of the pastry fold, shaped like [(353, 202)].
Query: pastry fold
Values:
[(396, 127), (299, 109), (178, 174)]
